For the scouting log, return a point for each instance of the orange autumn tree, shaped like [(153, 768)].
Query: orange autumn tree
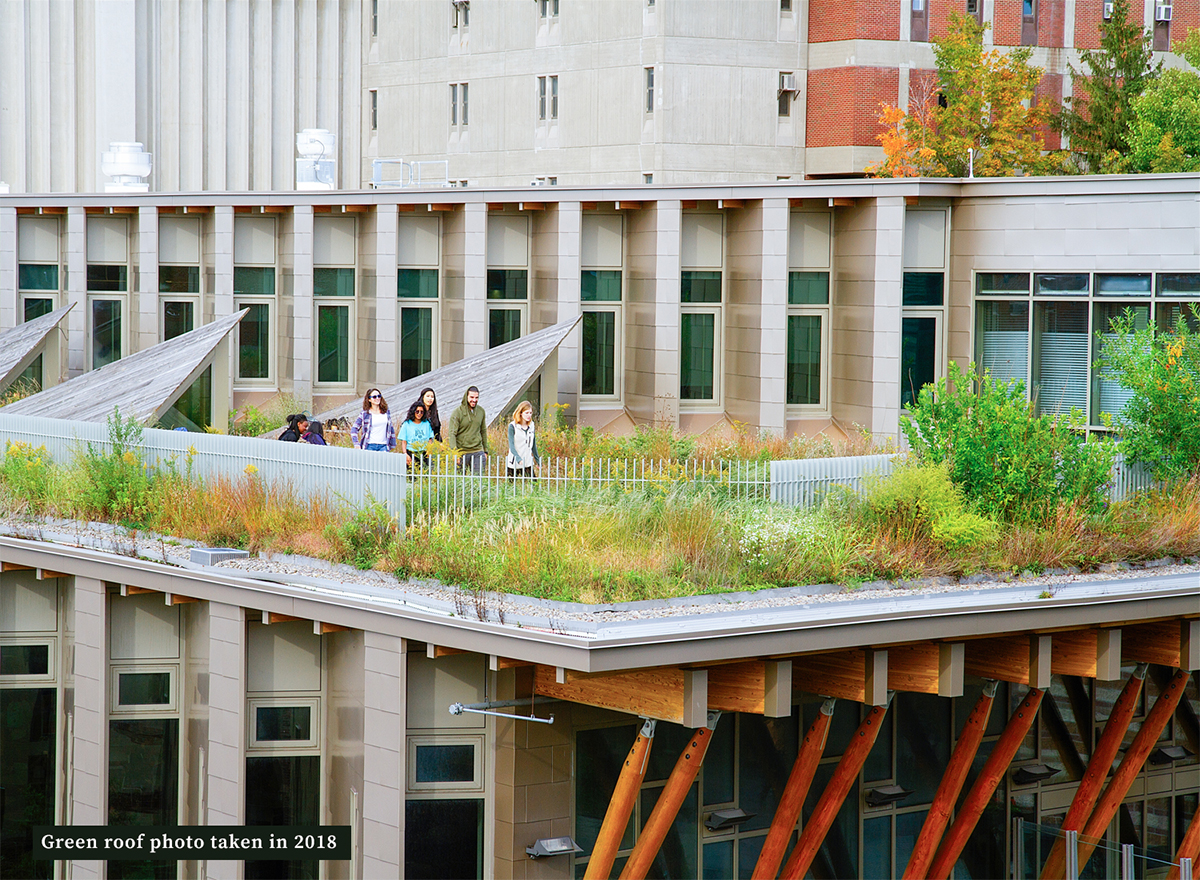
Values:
[(980, 100)]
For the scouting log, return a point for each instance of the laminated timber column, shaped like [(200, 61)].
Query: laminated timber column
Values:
[(1189, 847), (651, 837), (1131, 765), (951, 785), (794, 794), (834, 794), (608, 841), (981, 792), (1097, 770)]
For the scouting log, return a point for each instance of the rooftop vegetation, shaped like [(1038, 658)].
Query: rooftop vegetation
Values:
[(991, 486)]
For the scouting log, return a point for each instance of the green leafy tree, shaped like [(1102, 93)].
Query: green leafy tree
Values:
[(984, 102), (1098, 116), (1160, 425)]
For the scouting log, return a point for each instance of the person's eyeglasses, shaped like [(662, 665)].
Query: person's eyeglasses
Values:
[(376, 397)]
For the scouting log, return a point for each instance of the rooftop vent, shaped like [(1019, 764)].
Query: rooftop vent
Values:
[(317, 168), (128, 165)]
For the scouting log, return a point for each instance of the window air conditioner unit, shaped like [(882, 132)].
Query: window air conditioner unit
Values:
[(1162, 12), (787, 82), (918, 5)]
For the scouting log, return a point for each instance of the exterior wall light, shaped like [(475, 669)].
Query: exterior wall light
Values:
[(718, 820), (886, 794), (1168, 754), (553, 846), (1034, 773)]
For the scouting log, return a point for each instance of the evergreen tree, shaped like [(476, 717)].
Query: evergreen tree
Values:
[(1097, 118)]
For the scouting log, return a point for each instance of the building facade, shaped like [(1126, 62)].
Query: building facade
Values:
[(790, 307), (502, 93)]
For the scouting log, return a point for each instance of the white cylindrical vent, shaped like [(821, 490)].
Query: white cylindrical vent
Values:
[(128, 165), (317, 167)]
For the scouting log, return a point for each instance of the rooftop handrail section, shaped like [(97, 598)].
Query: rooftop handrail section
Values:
[(349, 474), (412, 174)]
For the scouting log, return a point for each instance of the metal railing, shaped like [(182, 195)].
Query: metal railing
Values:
[(1032, 844), (430, 172), (349, 474), (440, 486), (804, 482)]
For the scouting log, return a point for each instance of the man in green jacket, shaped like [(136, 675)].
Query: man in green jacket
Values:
[(467, 432)]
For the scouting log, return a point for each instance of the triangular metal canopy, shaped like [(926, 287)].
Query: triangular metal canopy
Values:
[(501, 373), (20, 346), (142, 386)]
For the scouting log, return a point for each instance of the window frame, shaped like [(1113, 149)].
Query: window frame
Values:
[(312, 745), (240, 301), (797, 264), (459, 116), (145, 710), (25, 680), (648, 90), (477, 785), (122, 300), (373, 110)]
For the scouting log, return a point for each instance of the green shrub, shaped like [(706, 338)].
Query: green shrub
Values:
[(1011, 463), (911, 499), (115, 484), (27, 472), (367, 536), (1160, 426), (963, 530)]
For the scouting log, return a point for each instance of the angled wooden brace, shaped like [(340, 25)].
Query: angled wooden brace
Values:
[(834, 794), (1097, 771), (608, 841), (981, 792), (667, 807), (794, 793), (951, 785), (1131, 765), (1189, 847)]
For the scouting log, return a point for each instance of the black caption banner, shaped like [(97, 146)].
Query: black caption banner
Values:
[(181, 842)]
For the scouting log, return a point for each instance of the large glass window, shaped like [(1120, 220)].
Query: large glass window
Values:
[(697, 355), (1109, 397), (506, 323), (107, 279), (918, 355), (251, 287), (178, 279), (333, 343), (143, 784), (1002, 339), (37, 277), (443, 838), (1060, 356), (106, 317), (283, 790), (28, 721), (598, 358), (34, 307), (418, 323), (806, 327)]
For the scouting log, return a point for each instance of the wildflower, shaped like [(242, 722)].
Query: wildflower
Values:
[(251, 470), (129, 458)]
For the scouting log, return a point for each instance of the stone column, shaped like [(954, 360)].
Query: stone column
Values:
[(226, 801), (89, 769), (384, 723)]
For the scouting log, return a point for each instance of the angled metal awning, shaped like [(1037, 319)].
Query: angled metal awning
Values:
[(501, 373), (20, 346), (142, 386)]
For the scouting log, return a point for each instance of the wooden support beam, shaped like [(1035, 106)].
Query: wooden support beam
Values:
[(320, 628), (915, 667), (131, 590), (740, 687), (730, 203), (284, 209), (1074, 653), (834, 795), (841, 674), (433, 652), (406, 209), (197, 209), (496, 206), (531, 206), (912, 200), (842, 203), (951, 668), (270, 617), (1097, 770), (951, 785), (588, 206), (650, 693), (1157, 642), (172, 599), (1131, 765), (620, 806), (667, 806), (985, 785), (1189, 847), (1022, 659), (356, 209), (794, 794), (628, 206), (46, 574), (496, 663), (14, 566), (689, 204), (434, 206), (123, 209)]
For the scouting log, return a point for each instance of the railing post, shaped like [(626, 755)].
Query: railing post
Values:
[(1018, 848), (1072, 872), (1185, 869), (1127, 861)]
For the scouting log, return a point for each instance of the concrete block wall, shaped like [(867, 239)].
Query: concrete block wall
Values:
[(385, 673)]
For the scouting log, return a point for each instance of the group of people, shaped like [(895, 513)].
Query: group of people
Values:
[(466, 431)]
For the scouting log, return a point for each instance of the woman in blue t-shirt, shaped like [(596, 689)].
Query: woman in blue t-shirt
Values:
[(414, 434)]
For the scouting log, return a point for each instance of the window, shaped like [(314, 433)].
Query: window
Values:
[(541, 97), (809, 255), (701, 294), (106, 313), (1162, 27), (1052, 333), (374, 18), (548, 8), (919, 22), (601, 324), (143, 689), (787, 87), (415, 288), (458, 104), (647, 178), (975, 10), (179, 304), (785, 5), (922, 328), (445, 763), (1029, 35), (373, 109), (506, 322), (37, 279), (649, 71), (554, 97), (460, 14), (254, 290), (334, 280)]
